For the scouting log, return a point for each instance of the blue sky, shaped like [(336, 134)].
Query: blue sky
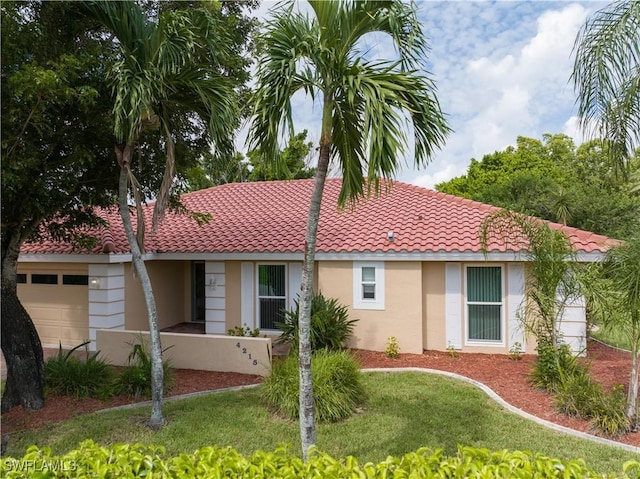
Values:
[(502, 70)]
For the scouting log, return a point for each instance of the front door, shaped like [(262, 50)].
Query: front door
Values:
[(198, 292)]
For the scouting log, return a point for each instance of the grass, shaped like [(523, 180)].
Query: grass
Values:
[(613, 337), (404, 411)]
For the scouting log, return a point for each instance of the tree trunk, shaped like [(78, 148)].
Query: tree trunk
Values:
[(307, 411), (157, 374), (20, 342), (632, 395)]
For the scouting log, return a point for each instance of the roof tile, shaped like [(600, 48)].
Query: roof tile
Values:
[(265, 217)]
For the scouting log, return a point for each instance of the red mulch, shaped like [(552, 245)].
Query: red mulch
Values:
[(508, 378)]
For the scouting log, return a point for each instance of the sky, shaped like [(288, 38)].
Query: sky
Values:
[(502, 70)]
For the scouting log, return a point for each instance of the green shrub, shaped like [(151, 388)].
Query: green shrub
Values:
[(246, 331), (609, 416), (65, 374), (337, 388), (137, 460), (551, 364), (393, 347), (135, 378), (576, 394), (330, 324)]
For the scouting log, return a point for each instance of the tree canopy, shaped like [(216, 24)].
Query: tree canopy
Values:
[(554, 180)]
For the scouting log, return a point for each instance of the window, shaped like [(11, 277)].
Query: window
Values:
[(272, 294), (21, 278), (75, 279), (44, 279), (368, 285), (484, 303)]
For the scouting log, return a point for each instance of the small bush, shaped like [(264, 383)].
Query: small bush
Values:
[(552, 363), (337, 388), (393, 348), (609, 416), (576, 394), (330, 324), (65, 374), (246, 331), (135, 378), (138, 460)]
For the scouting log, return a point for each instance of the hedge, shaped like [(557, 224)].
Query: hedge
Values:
[(125, 460)]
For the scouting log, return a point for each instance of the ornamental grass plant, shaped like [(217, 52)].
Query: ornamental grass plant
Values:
[(337, 386)]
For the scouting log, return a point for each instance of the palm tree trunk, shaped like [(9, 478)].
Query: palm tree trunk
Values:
[(157, 374), (632, 395), (307, 406)]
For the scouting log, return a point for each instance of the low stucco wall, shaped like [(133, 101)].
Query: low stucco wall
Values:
[(193, 351)]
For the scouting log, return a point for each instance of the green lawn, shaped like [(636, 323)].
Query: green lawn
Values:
[(404, 412), (612, 337)]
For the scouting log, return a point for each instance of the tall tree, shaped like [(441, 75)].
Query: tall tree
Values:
[(365, 106), (168, 73), (606, 76), (551, 279), (55, 149), (615, 300), (289, 164), (554, 180)]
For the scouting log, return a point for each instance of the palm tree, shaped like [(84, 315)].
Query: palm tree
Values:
[(606, 76), (365, 108), (551, 279), (166, 74), (615, 300)]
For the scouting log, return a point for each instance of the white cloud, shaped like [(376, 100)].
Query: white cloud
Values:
[(502, 70)]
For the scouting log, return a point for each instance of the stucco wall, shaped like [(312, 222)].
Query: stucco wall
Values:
[(433, 295), (402, 315), (167, 280), (233, 295), (60, 312), (194, 351)]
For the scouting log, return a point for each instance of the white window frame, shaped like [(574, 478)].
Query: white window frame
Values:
[(502, 304), (359, 302), (258, 297)]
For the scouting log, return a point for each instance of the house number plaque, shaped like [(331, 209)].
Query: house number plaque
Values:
[(244, 350)]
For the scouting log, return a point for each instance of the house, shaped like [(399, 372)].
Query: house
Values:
[(407, 263)]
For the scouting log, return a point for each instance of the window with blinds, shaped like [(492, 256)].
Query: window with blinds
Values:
[(484, 303), (272, 294)]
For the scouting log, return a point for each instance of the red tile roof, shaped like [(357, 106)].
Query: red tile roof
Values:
[(270, 217)]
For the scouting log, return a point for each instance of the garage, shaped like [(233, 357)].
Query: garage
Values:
[(57, 298)]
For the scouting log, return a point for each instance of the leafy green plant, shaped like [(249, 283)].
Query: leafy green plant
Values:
[(137, 460), (244, 331), (552, 363), (65, 374), (135, 378), (609, 416), (393, 348), (576, 394), (337, 386), (453, 352), (330, 324), (516, 351)]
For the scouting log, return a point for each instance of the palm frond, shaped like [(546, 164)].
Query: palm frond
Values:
[(376, 109), (606, 77), (366, 106), (282, 73)]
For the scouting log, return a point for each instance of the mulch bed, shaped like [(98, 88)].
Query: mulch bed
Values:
[(508, 378)]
